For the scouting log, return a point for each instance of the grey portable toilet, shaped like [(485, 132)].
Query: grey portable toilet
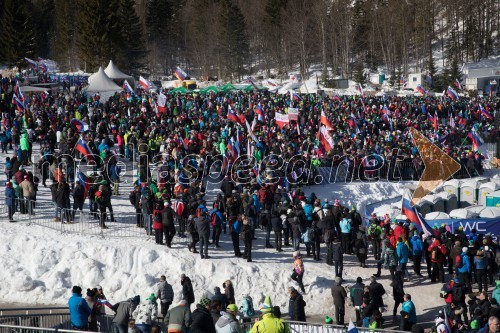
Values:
[(452, 186), (437, 203), (450, 201), (469, 190), (424, 206), (486, 189)]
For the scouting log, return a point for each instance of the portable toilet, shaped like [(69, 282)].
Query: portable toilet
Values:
[(493, 199), (424, 207), (452, 186), (469, 190), (437, 203), (450, 201), (485, 190)]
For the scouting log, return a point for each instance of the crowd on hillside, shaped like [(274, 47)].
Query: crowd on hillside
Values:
[(176, 145)]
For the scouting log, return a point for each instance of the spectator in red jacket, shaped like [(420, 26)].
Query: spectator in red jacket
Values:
[(437, 252)]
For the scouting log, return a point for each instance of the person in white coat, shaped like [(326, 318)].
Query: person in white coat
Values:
[(228, 323), (145, 314)]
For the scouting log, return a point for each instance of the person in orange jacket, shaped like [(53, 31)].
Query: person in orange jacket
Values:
[(298, 270)]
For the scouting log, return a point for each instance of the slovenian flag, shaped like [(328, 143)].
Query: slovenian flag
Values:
[(180, 74), (485, 113), (79, 125), (421, 90), (127, 87), (18, 103), (475, 138), (84, 149), (414, 216), (296, 96), (457, 84), (452, 94), (144, 83), (260, 113), (231, 115)]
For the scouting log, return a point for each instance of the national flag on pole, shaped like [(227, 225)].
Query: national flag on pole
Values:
[(79, 125), (281, 119), (421, 90), (351, 121), (251, 81), (295, 96), (127, 87), (231, 115), (452, 94), (18, 92), (44, 67), (18, 103), (324, 120), (84, 149), (162, 101), (457, 84), (250, 131), (261, 115), (232, 150), (180, 74), (452, 121), (485, 113), (31, 62), (144, 83), (325, 139), (414, 216), (475, 138), (359, 88)]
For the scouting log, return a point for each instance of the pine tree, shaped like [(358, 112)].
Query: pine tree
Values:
[(17, 34), (399, 73), (359, 75), (393, 78), (64, 34), (234, 39), (132, 40), (431, 70), (452, 73)]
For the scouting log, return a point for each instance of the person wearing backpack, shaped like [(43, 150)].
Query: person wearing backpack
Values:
[(437, 254), (464, 269), (216, 220)]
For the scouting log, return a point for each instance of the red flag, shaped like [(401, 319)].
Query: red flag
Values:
[(324, 120)]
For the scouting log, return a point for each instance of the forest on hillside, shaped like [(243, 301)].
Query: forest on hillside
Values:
[(234, 38)]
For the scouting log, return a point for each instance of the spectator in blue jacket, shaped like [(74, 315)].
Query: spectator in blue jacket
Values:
[(417, 249), (79, 310), (409, 308), (308, 211), (464, 269), (235, 229), (402, 253), (10, 200), (480, 265)]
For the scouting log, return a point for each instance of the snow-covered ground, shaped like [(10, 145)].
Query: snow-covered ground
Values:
[(41, 264)]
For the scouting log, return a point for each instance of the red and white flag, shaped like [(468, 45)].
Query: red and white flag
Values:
[(324, 120), (144, 83), (326, 139), (281, 119)]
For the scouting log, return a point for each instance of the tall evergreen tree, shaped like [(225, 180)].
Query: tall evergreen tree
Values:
[(64, 35), (235, 45), (132, 40), (431, 70), (359, 75)]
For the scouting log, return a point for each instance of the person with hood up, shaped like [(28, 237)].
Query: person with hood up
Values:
[(376, 292), (269, 322), (298, 270), (339, 296), (145, 314), (79, 310), (178, 318), (123, 313), (296, 305), (228, 323), (187, 289), (202, 319)]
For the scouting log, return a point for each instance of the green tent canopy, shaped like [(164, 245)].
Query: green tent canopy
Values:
[(209, 89), (180, 90), (250, 88), (228, 87)]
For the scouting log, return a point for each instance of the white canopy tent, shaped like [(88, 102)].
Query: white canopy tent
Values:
[(117, 75), (463, 213), (437, 216), (100, 83), (490, 212)]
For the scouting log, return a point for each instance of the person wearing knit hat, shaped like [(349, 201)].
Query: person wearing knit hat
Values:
[(145, 313), (228, 322), (269, 322), (202, 318)]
